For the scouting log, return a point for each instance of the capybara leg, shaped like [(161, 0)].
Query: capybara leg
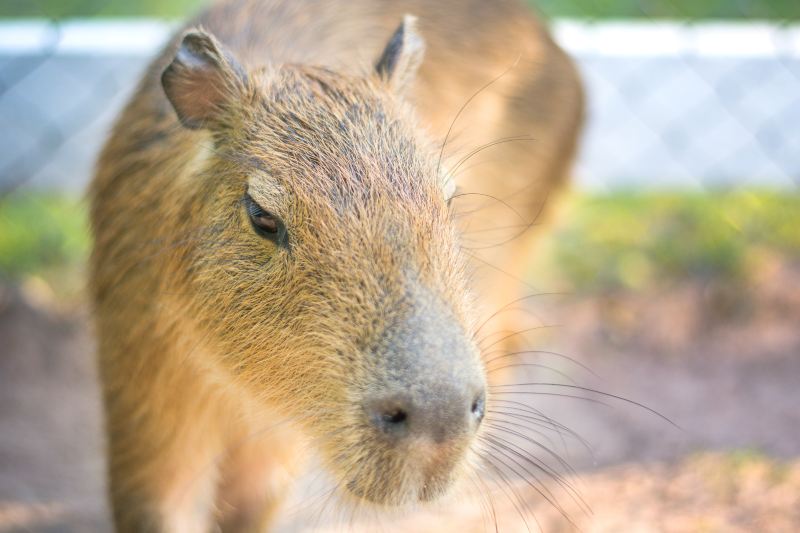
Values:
[(162, 470), (170, 494), (256, 478)]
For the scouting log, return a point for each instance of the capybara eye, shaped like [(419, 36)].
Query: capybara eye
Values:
[(265, 223)]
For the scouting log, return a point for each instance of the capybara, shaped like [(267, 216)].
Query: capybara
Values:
[(278, 265)]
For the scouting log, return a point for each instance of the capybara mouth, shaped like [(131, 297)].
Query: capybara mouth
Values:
[(419, 477), (389, 496)]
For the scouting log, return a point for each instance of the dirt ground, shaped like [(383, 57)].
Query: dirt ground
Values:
[(722, 364)]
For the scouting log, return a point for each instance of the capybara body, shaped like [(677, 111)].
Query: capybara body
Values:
[(278, 267)]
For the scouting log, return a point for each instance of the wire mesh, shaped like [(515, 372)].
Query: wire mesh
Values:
[(685, 101)]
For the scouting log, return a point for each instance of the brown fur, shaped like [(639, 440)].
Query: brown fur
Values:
[(219, 352)]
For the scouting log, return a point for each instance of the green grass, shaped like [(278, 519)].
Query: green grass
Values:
[(672, 9), (638, 240), (43, 236), (681, 9), (620, 241), (58, 9)]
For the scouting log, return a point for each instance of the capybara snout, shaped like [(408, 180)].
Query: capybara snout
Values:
[(430, 383)]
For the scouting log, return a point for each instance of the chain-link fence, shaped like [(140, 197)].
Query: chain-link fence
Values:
[(686, 103)]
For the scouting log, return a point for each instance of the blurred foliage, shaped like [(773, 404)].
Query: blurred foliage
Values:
[(680, 9), (671, 9), (58, 9), (618, 241), (43, 236), (638, 240)]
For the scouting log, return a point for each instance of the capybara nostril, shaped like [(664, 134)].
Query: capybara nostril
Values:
[(395, 417), (391, 420), (478, 407), (390, 414)]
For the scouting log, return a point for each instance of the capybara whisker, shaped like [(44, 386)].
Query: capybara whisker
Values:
[(466, 103), (564, 357), (507, 487), (501, 455), (504, 388), (497, 440)]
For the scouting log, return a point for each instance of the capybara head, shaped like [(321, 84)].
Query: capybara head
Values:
[(326, 269)]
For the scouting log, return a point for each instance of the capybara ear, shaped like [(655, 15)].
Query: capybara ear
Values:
[(403, 55), (201, 79)]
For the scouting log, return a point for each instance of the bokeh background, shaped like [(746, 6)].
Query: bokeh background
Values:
[(670, 273)]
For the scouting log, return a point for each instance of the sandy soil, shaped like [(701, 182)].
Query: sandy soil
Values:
[(721, 364)]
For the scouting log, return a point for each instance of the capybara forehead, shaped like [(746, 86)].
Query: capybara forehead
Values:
[(344, 139)]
